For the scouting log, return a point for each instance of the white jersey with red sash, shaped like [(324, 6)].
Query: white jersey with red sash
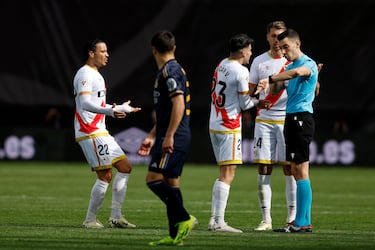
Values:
[(88, 81), (261, 67), (230, 79)]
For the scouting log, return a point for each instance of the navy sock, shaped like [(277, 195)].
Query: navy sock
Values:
[(173, 200)]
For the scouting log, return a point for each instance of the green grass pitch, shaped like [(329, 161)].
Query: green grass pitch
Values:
[(42, 206)]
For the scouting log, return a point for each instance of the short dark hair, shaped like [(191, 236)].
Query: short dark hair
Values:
[(163, 41), (90, 46), (238, 42), (279, 25), (289, 33)]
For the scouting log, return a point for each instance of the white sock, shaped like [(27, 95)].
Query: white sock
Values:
[(264, 196), (119, 186), (97, 196), (220, 194), (213, 207), (291, 200)]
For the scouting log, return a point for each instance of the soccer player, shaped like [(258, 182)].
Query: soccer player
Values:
[(269, 142), (229, 96), (170, 137), (300, 80), (100, 149)]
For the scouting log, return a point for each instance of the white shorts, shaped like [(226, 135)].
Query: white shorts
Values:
[(269, 143), (101, 152), (227, 148)]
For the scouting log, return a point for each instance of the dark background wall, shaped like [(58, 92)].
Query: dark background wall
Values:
[(42, 39)]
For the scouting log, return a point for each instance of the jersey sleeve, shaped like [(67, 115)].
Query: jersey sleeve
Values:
[(243, 90), (88, 105), (243, 80), (83, 83), (254, 72), (175, 80), (313, 67)]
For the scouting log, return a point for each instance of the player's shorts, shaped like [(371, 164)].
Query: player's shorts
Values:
[(269, 142), (170, 165), (227, 147), (299, 130), (101, 152)]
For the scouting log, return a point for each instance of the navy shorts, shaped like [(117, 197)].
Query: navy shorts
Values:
[(299, 129), (170, 165)]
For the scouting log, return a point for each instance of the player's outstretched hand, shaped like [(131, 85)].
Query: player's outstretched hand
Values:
[(117, 113), (146, 146), (125, 107), (262, 86), (132, 109)]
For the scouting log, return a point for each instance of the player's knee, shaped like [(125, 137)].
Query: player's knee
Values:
[(126, 169), (123, 166), (287, 170), (105, 175), (265, 169)]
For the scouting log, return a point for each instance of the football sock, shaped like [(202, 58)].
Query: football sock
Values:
[(119, 187), (179, 194), (304, 200), (213, 211), (172, 224), (264, 196), (220, 198), (308, 212), (97, 196), (290, 194), (175, 211)]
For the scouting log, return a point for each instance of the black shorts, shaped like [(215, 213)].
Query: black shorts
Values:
[(170, 165), (299, 129)]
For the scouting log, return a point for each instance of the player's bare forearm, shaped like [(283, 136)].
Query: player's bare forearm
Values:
[(252, 89), (148, 142), (177, 113), (317, 88), (277, 87)]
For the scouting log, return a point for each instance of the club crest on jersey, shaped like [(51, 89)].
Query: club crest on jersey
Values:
[(171, 84)]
